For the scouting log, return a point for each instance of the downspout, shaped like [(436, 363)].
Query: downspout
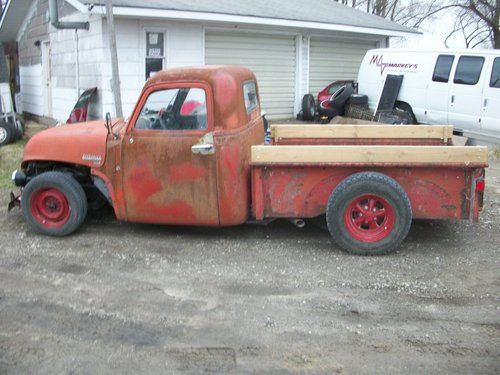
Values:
[(77, 66), (54, 19)]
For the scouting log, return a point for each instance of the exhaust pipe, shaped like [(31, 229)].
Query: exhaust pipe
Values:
[(299, 223), (54, 19)]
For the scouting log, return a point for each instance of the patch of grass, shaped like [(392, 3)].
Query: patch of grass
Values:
[(10, 159)]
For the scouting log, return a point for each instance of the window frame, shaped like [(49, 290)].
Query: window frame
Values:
[(449, 72), (172, 132), (495, 59), (480, 72), (144, 57)]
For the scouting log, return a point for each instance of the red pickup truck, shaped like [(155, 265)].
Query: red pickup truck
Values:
[(193, 153)]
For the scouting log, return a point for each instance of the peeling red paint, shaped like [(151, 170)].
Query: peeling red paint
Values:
[(142, 181)]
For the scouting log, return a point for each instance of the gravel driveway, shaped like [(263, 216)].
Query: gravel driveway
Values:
[(128, 298)]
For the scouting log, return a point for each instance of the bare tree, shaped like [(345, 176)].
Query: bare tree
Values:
[(477, 20), (410, 13)]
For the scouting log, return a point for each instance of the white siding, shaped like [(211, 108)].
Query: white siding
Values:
[(183, 47), (271, 57), (332, 59)]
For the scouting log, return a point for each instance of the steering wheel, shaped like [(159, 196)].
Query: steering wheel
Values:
[(164, 120)]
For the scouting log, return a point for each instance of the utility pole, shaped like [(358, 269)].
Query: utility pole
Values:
[(115, 81)]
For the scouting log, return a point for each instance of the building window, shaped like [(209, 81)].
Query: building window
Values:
[(443, 68), (250, 96), (495, 73), (155, 52), (468, 70), (174, 109)]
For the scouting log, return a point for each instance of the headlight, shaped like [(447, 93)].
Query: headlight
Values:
[(19, 178)]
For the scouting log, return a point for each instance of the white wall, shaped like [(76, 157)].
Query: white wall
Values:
[(183, 47)]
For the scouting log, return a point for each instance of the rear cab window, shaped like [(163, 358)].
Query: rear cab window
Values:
[(250, 96), (468, 70), (495, 73), (443, 68)]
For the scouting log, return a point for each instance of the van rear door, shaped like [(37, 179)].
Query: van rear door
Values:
[(490, 117), (465, 101)]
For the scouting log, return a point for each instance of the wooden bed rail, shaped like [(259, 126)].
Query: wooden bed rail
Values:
[(439, 132), (371, 155)]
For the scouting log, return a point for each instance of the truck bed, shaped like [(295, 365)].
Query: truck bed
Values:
[(294, 177)]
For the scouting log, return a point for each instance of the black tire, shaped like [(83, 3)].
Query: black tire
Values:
[(308, 107), (376, 185), (19, 127), (405, 107), (61, 183), (7, 133), (358, 99)]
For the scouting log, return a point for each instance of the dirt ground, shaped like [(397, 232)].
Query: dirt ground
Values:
[(127, 298)]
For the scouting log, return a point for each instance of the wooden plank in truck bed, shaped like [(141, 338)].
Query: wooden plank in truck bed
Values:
[(442, 132), (371, 155)]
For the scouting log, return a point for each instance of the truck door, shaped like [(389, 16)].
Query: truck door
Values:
[(165, 179), (490, 117), (438, 91), (466, 93)]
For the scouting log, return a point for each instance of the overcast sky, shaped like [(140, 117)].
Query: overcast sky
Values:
[(435, 33)]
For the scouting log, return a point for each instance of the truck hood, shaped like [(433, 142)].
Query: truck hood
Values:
[(83, 143)]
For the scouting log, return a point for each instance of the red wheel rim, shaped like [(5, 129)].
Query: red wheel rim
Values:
[(50, 207), (369, 218)]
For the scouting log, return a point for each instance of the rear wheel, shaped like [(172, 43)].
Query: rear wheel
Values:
[(406, 108), (369, 214), (54, 203)]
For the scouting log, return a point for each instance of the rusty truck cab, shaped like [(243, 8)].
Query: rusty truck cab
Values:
[(184, 155)]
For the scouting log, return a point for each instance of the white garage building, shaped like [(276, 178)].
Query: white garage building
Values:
[(294, 47)]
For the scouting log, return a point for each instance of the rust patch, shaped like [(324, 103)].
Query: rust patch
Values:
[(186, 172), (176, 209), (144, 186)]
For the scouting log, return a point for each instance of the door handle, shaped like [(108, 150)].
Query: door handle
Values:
[(203, 149), (453, 99), (485, 103)]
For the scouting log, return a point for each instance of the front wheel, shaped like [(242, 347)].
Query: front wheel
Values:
[(369, 214), (54, 203)]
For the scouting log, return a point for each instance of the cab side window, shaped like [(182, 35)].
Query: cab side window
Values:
[(468, 70), (495, 73), (443, 68), (174, 109)]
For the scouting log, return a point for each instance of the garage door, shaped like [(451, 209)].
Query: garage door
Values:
[(332, 60), (270, 57)]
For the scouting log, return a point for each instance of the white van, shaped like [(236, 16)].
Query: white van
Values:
[(457, 87)]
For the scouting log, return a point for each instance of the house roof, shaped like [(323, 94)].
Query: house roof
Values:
[(316, 11), (314, 14), (12, 19)]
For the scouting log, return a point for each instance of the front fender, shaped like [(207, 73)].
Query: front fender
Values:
[(83, 144)]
